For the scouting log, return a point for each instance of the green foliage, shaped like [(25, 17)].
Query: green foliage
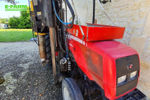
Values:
[(4, 21), (21, 22), (14, 22)]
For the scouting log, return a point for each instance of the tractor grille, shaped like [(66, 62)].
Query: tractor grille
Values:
[(122, 66)]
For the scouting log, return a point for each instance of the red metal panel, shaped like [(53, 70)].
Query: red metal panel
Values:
[(97, 61), (95, 32)]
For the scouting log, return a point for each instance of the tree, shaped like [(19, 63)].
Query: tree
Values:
[(10, 1), (25, 21), (4, 21), (14, 22), (21, 22)]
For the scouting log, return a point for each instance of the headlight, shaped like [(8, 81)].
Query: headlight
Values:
[(122, 79), (133, 74)]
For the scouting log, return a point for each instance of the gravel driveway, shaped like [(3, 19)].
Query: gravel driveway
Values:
[(25, 77)]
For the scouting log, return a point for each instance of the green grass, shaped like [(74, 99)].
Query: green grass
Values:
[(14, 35)]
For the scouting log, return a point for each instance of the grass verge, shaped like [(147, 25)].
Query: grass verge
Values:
[(14, 35)]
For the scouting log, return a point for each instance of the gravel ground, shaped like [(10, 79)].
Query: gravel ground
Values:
[(25, 77)]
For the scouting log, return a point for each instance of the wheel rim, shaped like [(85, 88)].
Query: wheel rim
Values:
[(66, 94)]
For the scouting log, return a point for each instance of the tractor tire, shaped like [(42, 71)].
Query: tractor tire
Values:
[(70, 90), (48, 49)]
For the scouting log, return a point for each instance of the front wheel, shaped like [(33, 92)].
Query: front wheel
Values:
[(70, 90)]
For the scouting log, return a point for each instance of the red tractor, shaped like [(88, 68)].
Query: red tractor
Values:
[(87, 60)]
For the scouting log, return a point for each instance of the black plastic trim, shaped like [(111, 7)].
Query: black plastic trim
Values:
[(134, 95)]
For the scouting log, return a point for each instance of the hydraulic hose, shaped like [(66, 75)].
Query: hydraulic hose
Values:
[(71, 10)]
